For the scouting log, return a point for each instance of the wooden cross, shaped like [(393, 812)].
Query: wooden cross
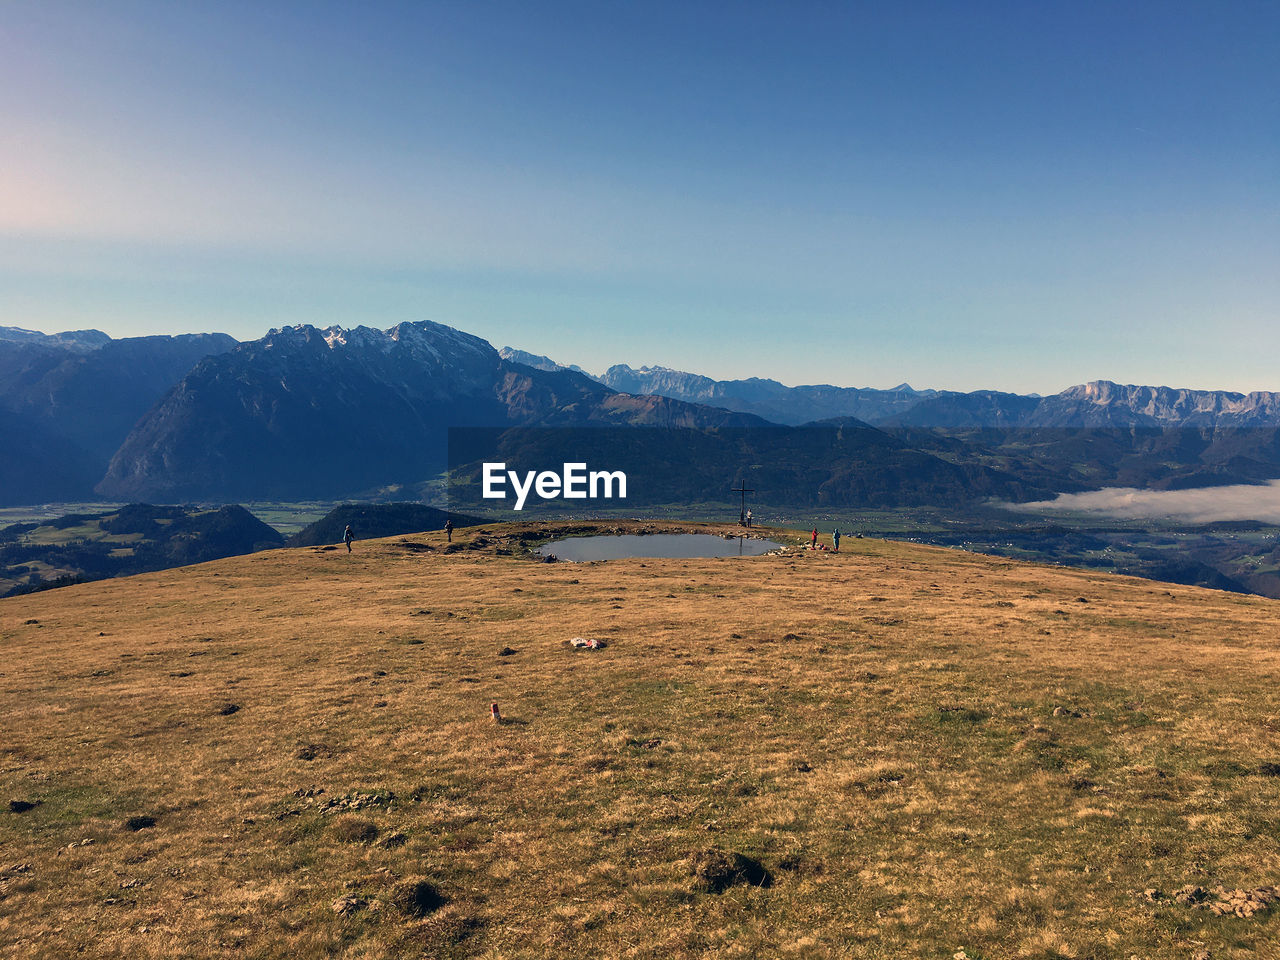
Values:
[(742, 514)]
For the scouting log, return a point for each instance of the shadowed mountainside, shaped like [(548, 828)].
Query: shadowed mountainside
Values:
[(68, 401)]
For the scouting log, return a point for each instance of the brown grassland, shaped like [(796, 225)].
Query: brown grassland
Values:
[(929, 752)]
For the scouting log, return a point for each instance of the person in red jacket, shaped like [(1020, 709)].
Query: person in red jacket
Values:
[(813, 544)]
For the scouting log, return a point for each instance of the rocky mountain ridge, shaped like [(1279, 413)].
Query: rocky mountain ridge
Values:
[(337, 412)]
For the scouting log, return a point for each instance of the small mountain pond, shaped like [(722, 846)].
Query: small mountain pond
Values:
[(656, 545)]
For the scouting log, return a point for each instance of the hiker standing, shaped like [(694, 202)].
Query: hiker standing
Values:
[(813, 543), (347, 537), (448, 529), (835, 537), (748, 518)]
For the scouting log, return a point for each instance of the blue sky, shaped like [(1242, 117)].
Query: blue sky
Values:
[(1019, 196)]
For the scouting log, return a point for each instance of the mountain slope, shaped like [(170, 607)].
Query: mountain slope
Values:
[(74, 398), (308, 413), (537, 361)]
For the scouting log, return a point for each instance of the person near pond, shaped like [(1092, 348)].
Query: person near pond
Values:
[(448, 529), (813, 542), (835, 538), (347, 537)]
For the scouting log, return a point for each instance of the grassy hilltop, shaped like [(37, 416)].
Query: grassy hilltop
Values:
[(897, 751)]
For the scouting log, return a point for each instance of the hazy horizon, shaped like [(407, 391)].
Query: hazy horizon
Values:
[(638, 365)]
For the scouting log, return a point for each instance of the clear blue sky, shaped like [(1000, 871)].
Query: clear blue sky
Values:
[(1015, 195)]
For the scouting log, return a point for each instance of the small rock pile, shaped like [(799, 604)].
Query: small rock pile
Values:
[(358, 801), (1223, 902), (1243, 903)]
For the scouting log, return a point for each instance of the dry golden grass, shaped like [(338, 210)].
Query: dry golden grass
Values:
[(877, 728)]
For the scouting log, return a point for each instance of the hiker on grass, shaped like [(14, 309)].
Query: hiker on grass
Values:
[(448, 529), (835, 538), (347, 537), (813, 544)]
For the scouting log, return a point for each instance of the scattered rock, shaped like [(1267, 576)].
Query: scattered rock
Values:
[(507, 652), (227, 709), (416, 898), (1243, 903), (1222, 902), (348, 905), (800, 766), (1066, 712), (715, 871), (358, 801), (1202, 953), (1080, 783), (594, 643), (1082, 599), (30, 623), (1269, 769), (1189, 896), (140, 823), (22, 806)]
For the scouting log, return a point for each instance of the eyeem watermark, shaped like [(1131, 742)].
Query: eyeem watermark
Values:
[(572, 483)]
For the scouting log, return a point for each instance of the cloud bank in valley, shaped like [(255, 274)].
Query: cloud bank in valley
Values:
[(1202, 505)]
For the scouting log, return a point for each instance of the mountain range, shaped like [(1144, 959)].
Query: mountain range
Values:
[(1100, 403), (306, 412)]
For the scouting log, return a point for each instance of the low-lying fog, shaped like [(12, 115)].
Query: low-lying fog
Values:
[(1259, 502)]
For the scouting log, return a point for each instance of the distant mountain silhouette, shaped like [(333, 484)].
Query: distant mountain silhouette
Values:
[(768, 398), (67, 402)]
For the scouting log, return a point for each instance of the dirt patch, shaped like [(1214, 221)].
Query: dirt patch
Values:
[(347, 905), (715, 871), (416, 898)]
